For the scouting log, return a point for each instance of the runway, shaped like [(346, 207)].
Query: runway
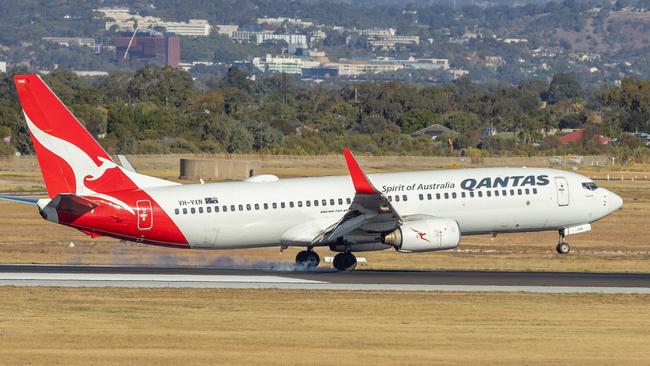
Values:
[(360, 280)]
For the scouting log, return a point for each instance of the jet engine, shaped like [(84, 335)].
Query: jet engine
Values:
[(424, 235)]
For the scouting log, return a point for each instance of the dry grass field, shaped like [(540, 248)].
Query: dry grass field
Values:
[(64, 326), (617, 243)]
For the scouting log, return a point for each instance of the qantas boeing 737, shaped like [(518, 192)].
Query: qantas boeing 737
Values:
[(409, 212)]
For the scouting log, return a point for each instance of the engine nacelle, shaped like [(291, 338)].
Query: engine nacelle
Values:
[(424, 235)]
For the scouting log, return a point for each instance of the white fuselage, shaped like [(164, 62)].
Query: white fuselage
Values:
[(271, 213)]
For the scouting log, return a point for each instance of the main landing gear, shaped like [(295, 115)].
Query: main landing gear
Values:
[(345, 261), (307, 259), (562, 246)]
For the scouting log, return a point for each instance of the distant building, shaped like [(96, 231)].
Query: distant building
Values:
[(434, 131), (227, 29), (354, 69), (282, 20), (388, 42), (77, 41), (415, 63), (3, 66), (321, 72), (286, 64), (123, 20), (148, 48), (578, 136), (195, 27)]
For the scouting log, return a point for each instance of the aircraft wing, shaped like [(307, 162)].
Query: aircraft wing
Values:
[(369, 213), (23, 200)]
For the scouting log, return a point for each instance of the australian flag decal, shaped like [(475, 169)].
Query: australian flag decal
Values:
[(211, 200)]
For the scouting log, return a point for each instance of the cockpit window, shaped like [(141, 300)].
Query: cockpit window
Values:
[(590, 186)]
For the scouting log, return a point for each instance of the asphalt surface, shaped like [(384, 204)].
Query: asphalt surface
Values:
[(127, 276)]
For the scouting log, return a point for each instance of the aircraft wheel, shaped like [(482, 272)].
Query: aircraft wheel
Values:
[(345, 262), (307, 259), (563, 248)]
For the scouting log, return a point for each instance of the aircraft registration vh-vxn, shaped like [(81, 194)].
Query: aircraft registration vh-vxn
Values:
[(410, 212)]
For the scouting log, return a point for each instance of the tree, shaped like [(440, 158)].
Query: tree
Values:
[(163, 85), (417, 119), (562, 87)]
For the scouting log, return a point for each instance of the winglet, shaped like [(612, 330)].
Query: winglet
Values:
[(361, 183)]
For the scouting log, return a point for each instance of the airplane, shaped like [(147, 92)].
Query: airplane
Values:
[(410, 212)]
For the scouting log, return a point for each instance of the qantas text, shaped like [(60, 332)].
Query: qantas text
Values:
[(471, 184)]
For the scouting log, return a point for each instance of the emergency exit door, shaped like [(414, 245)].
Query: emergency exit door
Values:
[(145, 215), (562, 187)]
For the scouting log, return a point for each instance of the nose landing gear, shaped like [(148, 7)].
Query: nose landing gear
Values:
[(562, 246)]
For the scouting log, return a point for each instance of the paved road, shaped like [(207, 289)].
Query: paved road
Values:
[(125, 276)]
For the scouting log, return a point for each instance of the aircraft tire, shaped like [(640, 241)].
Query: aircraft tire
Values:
[(345, 262), (563, 248), (307, 259)]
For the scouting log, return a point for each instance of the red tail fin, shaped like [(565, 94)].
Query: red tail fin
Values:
[(70, 159)]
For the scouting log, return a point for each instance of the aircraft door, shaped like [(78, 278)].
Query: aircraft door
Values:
[(562, 187), (145, 215)]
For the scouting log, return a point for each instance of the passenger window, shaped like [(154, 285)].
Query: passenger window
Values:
[(404, 198), (462, 194), (225, 208), (480, 194), (232, 208), (421, 197), (216, 208), (299, 203), (489, 193), (396, 198), (446, 195), (241, 207), (519, 191), (209, 209), (534, 190), (390, 198), (471, 194), (266, 206), (200, 209), (496, 193), (348, 200), (504, 192), (257, 206), (282, 205), (324, 202), (184, 211), (308, 203), (429, 196), (275, 205), (527, 191), (248, 207), (176, 211), (315, 202), (291, 204), (340, 201), (193, 210), (437, 196), (512, 192), (453, 195), (332, 203)]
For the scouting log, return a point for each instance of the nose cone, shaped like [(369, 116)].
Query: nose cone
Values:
[(614, 201)]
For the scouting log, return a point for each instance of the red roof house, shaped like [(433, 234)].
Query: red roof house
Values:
[(578, 135)]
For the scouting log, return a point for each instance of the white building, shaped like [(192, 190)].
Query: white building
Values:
[(388, 42), (415, 63), (227, 29), (195, 27), (355, 69), (123, 20), (286, 64), (3, 66), (281, 20)]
